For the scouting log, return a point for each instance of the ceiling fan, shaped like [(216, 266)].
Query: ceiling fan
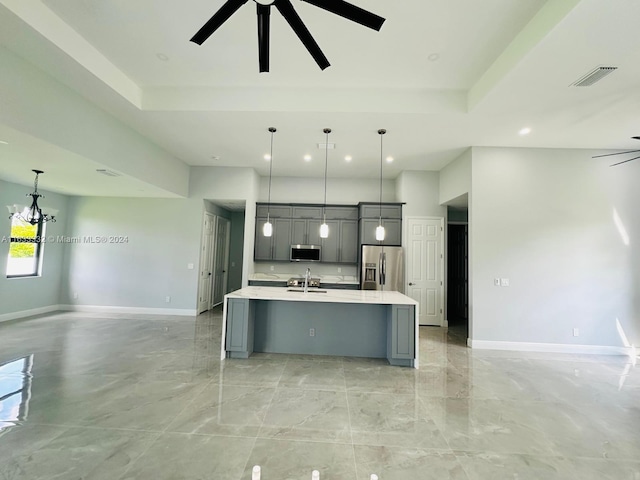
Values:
[(621, 153), (338, 7)]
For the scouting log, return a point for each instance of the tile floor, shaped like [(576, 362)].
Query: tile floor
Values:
[(140, 397)]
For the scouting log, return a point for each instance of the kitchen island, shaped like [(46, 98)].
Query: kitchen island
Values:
[(360, 323)]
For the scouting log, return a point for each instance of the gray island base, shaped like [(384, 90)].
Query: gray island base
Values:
[(357, 323)]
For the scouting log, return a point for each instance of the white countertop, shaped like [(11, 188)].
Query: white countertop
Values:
[(331, 296)]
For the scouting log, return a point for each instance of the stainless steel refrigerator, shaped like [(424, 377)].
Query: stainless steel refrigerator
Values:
[(382, 268)]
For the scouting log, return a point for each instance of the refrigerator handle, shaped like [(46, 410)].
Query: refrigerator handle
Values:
[(383, 268)]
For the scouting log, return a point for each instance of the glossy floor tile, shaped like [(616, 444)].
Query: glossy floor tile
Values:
[(119, 397)]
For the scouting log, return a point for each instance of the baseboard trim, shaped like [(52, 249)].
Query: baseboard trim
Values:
[(549, 347), (133, 310), (5, 317)]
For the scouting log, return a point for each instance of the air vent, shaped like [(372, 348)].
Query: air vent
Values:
[(594, 76), (108, 173), (326, 146)]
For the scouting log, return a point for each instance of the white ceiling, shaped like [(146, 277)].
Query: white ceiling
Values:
[(501, 65)]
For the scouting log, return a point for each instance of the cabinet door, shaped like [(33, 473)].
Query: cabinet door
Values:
[(373, 210), (393, 231), (348, 241), (275, 211), (298, 232), (402, 332), (368, 231), (331, 244), (342, 213), (313, 232), (306, 212), (281, 239), (262, 249)]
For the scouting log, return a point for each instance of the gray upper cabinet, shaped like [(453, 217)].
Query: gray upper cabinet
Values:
[(300, 224), (342, 213), (278, 246), (386, 210), (305, 232), (274, 210), (307, 212), (392, 231), (342, 244)]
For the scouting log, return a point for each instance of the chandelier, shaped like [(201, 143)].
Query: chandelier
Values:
[(32, 214)]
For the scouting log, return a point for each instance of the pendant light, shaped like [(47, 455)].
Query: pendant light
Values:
[(380, 228), (267, 229), (324, 228)]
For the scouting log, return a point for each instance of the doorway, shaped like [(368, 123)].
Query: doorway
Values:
[(458, 276)]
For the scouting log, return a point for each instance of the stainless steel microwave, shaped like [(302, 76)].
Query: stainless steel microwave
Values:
[(305, 253)]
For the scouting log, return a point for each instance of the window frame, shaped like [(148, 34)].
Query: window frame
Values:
[(38, 253)]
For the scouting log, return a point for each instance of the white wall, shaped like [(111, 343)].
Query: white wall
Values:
[(161, 237), (455, 178), (419, 190), (544, 219), (348, 191), (22, 294)]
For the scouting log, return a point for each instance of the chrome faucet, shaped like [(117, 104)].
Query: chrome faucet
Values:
[(307, 275)]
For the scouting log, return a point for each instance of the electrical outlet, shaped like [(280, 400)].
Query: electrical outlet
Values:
[(576, 332), (312, 332), (75, 295), (504, 282), (496, 282), (339, 270), (190, 266), (167, 299), (271, 268), (233, 264)]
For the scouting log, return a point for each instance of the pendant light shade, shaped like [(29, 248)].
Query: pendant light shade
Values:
[(324, 228), (380, 229), (267, 228)]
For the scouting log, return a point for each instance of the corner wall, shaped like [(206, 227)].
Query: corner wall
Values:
[(545, 219), (27, 296)]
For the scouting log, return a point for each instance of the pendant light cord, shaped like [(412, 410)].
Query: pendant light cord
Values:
[(381, 132), (272, 130), (327, 131)]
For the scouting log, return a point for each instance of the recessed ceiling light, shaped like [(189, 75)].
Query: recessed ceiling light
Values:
[(2, 142), (348, 158), (267, 157), (162, 56), (389, 159), (433, 57), (525, 131), (307, 158)]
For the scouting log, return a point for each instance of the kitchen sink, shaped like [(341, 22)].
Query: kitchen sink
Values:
[(301, 290)]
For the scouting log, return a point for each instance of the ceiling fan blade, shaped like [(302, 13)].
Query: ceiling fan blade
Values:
[(625, 161), (350, 12), (264, 15), (618, 153), (290, 15), (229, 8)]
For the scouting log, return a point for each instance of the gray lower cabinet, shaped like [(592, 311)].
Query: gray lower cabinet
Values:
[(392, 230), (401, 335), (240, 326), (278, 246)]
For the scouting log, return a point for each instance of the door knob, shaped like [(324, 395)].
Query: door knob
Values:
[(209, 273), (410, 284)]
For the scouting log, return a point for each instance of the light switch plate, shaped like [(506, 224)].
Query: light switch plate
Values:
[(504, 282), (496, 282)]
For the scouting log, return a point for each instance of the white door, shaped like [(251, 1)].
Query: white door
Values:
[(221, 261), (425, 267), (204, 289)]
